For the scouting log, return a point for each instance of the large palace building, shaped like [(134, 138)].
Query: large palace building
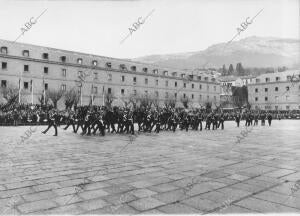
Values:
[(39, 68), (275, 91)]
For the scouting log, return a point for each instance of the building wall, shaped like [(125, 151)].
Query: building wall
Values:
[(205, 87), (277, 96)]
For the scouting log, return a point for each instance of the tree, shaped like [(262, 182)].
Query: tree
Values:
[(224, 70), (208, 105), (239, 69), (41, 99), (230, 70), (170, 102), (71, 98), (239, 96), (185, 101), (108, 99), (10, 94), (146, 101), (133, 99), (55, 96)]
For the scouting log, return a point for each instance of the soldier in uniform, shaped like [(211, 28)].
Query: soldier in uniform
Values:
[(52, 121), (269, 117)]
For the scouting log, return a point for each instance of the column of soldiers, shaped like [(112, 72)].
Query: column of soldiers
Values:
[(100, 119)]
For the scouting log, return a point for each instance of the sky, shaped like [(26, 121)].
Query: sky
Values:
[(174, 26)]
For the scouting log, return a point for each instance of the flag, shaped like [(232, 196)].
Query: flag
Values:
[(31, 89)]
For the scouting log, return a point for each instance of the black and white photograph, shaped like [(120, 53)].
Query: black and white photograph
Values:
[(124, 107)]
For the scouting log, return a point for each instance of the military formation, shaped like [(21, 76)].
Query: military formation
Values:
[(92, 120)]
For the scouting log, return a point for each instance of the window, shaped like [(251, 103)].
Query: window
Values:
[(25, 53), (26, 85), (276, 88), (108, 64), (3, 83), (46, 70), (200, 96), (46, 86), (256, 90), (277, 78), (63, 87), (192, 85), (165, 73), (109, 77), (199, 77), (256, 99), (95, 90), (266, 98), (207, 87), (213, 79), (146, 81), (4, 65), (192, 96), (175, 95), (156, 94), (206, 78), (175, 84), (183, 95), (133, 68), (123, 78), (134, 92), (122, 91), (167, 83), (207, 97), (184, 85), (3, 50), (64, 72), (45, 56), (123, 67), (109, 90), (266, 89), (146, 92), (215, 98), (267, 79), (155, 71), (156, 82), (215, 88), (182, 75), (174, 74), (287, 107), (95, 63), (26, 68), (145, 70), (95, 75), (63, 58), (134, 80), (257, 80), (166, 95), (276, 107), (79, 61), (200, 86)]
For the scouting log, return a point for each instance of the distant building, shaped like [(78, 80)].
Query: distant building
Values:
[(42, 68), (275, 91), (227, 82)]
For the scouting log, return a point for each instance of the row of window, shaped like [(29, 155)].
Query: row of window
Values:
[(287, 88), (277, 79), (26, 86), (64, 72), (123, 67), (276, 98), (276, 107)]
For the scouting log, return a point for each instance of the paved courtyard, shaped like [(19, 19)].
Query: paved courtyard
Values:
[(182, 172)]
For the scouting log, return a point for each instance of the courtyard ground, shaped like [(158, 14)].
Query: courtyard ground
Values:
[(182, 172)]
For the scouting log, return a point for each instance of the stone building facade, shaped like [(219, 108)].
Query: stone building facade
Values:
[(39, 68), (275, 91)]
